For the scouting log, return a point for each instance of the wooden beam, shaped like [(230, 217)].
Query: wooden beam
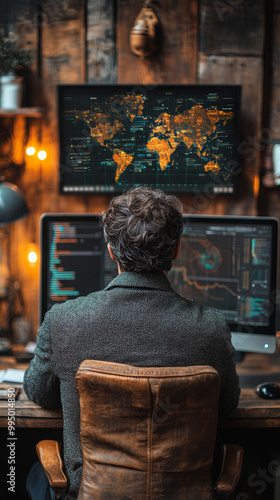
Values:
[(63, 61), (100, 39)]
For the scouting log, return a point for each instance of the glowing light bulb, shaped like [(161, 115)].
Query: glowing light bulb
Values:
[(32, 257), (30, 151), (42, 155)]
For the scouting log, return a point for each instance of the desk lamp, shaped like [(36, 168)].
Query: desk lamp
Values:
[(12, 203)]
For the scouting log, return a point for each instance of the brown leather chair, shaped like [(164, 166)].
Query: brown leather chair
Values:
[(147, 433)]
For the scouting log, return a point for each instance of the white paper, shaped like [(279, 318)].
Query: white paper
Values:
[(12, 375)]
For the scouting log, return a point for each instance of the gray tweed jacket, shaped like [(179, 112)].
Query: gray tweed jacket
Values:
[(138, 320)]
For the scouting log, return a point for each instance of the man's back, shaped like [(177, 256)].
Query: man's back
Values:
[(139, 320)]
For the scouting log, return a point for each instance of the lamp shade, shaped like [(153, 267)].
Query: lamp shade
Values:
[(12, 204)]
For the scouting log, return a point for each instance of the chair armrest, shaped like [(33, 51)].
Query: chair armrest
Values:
[(49, 454), (230, 471)]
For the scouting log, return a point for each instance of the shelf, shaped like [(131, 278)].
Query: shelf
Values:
[(28, 112)]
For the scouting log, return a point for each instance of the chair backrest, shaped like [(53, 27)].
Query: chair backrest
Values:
[(147, 433)]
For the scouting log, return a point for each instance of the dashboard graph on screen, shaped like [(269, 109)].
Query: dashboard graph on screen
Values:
[(178, 138), (227, 264)]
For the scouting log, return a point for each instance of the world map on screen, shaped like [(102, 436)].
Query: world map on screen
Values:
[(131, 139)]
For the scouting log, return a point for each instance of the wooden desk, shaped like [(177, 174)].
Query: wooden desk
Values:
[(252, 411), (28, 414)]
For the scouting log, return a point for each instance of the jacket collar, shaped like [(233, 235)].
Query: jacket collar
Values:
[(157, 280)]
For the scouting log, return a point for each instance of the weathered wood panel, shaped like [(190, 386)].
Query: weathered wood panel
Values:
[(232, 27), (226, 29), (271, 111), (100, 39), (19, 18), (176, 60), (63, 61), (269, 200), (245, 71), (24, 11), (275, 90), (101, 65)]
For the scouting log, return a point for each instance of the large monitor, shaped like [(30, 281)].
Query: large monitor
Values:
[(225, 262), (74, 258), (230, 263), (179, 138)]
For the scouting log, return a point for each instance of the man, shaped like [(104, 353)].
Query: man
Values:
[(138, 319)]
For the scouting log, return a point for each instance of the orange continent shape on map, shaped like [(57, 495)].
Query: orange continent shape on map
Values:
[(122, 160), (196, 125), (163, 150), (193, 128), (103, 132), (134, 105), (214, 167)]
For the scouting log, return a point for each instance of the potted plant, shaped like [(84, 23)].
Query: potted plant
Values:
[(13, 62)]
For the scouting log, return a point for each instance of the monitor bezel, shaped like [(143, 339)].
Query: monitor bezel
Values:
[(236, 89), (262, 339)]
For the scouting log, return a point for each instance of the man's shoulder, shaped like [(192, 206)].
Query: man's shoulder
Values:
[(203, 312), (214, 325), (73, 305), (203, 320), (213, 316), (212, 312)]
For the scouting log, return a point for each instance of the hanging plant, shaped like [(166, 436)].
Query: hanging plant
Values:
[(13, 59)]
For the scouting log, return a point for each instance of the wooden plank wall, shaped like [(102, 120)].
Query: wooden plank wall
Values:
[(231, 51), (176, 61), (24, 23), (269, 199), (203, 41)]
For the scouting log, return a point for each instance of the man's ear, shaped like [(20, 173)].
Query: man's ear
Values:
[(111, 252), (114, 258), (176, 250)]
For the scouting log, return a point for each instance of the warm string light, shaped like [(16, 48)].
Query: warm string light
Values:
[(30, 151), (32, 254), (42, 155), (32, 257)]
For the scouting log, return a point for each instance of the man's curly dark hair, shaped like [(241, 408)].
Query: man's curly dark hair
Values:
[(143, 227)]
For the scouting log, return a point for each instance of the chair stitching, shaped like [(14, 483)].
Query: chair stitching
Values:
[(156, 374)]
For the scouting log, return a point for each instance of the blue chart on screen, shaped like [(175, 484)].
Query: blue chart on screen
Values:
[(226, 263)]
